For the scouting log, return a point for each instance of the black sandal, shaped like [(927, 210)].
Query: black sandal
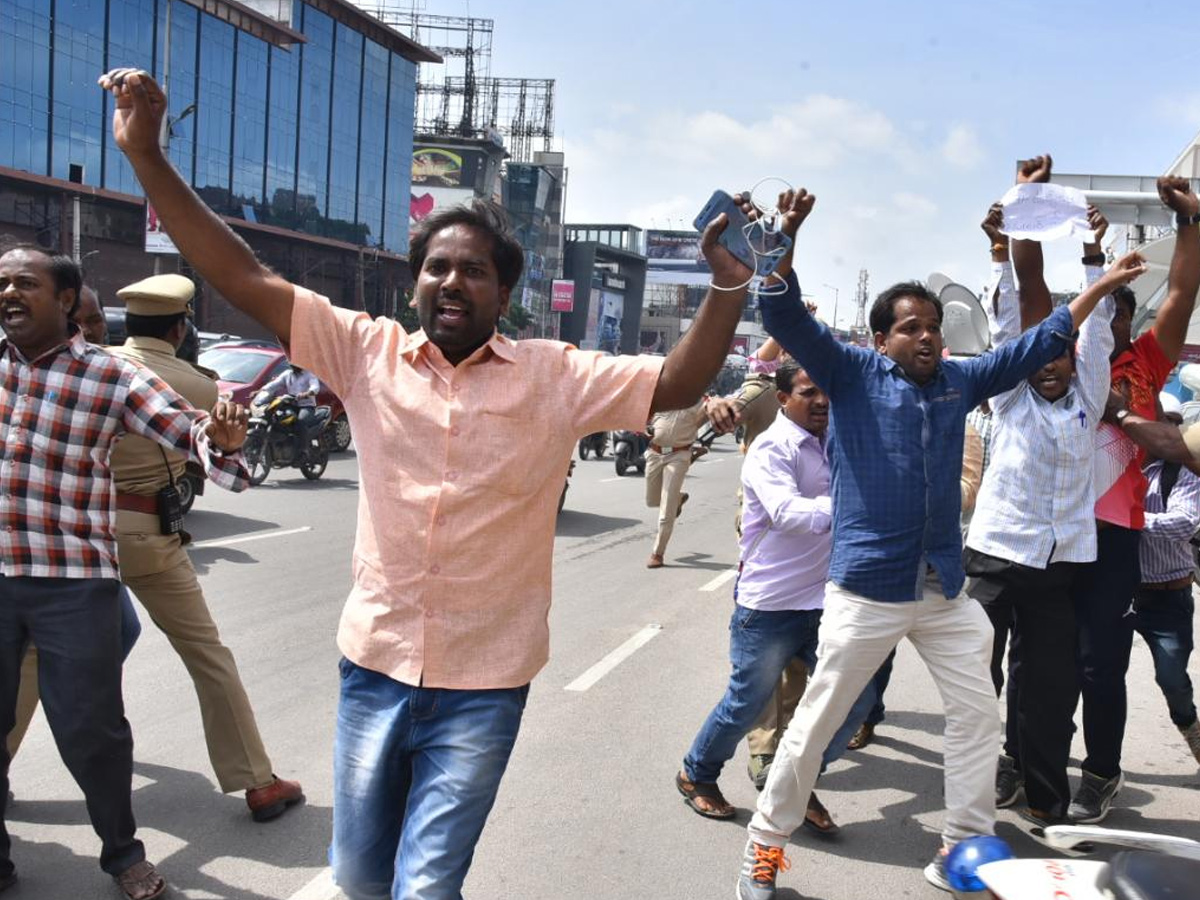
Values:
[(704, 790), (823, 824)]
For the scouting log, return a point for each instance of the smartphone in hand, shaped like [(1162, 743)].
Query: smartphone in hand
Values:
[(760, 250)]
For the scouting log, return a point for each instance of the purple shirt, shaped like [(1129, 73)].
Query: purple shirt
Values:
[(786, 519)]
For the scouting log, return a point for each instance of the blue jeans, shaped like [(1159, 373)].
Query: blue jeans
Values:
[(1164, 620), (761, 644), (416, 772)]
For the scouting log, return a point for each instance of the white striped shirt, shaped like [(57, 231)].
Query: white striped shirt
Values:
[(1036, 502), (1166, 551)]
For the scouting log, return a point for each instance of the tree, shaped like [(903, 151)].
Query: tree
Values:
[(518, 319)]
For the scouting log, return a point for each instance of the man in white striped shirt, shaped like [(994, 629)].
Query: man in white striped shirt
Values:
[(1163, 605), (1033, 525)]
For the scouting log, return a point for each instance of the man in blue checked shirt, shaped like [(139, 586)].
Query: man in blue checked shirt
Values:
[(895, 448)]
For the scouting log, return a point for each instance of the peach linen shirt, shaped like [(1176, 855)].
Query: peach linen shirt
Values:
[(460, 470)]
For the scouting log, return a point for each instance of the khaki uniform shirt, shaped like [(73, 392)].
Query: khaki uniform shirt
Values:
[(757, 401), (678, 427), (137, 463)]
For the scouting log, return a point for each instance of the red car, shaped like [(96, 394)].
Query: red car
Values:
[(243, 369)]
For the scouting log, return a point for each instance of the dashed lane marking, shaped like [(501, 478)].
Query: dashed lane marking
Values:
[(614, 659), (320, 888), (721, 579), (261, 536)]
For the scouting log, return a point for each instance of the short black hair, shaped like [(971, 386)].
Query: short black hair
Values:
[(484, 215), (785, 377), (152, 326), (1124, 294), (65, 271), (883, 311)]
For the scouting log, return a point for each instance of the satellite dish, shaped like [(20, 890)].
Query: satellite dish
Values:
[(938, 282), (964, 323)]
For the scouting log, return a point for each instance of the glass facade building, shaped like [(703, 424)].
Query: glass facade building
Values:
[(314, 137)]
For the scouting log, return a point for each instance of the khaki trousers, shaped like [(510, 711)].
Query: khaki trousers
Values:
[(954, 638), (157, 569), (664, 483), (763, 739)]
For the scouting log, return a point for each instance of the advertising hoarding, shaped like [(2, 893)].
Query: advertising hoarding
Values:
[(562, 296)]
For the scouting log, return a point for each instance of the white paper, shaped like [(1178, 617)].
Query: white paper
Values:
[(1045, 212)]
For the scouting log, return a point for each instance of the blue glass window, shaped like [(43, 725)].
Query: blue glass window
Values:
[(372, 142), (250, 122), (316, 75), (181, 83), (78, 109), (343, 141), (214, 112), (24, 84), (401, 96), (282, 115), (131, 42)]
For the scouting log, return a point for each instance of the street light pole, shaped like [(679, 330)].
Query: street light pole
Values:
[(835, 303)]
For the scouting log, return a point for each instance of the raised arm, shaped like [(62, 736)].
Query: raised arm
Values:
[(1123, 271), (693, 363), (209, 245), (1183, 280), (1036, 302), (1001, 306)]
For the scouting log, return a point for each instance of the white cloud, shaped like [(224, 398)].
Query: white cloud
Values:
[(962, 148)]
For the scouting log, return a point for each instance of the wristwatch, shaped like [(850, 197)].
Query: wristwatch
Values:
[(1121, 416), (1093, 259), (1181, 220)]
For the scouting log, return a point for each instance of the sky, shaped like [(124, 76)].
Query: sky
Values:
[(905, 119)]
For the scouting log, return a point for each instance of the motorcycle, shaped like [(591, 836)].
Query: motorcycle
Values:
[(191, 485), (274, 439), (562, 498), (629, 450), (1157, 867), (595, 443)]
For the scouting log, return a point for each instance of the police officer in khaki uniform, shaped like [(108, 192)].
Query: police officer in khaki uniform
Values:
[(156, 567)]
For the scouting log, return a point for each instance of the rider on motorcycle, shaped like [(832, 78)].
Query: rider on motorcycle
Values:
[(302, 385)]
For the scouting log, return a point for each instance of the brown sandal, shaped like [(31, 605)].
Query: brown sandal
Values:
[(141, 881), (704, 790), (817, 818)]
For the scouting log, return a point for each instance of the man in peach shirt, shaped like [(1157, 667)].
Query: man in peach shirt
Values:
[(446, 623)]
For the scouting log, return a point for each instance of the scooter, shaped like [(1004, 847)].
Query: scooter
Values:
[(273, 440), (595, 443), (1157, 867), (629, 451)]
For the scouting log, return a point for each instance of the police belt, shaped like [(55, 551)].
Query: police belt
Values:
[(664, 450), (138, 503)]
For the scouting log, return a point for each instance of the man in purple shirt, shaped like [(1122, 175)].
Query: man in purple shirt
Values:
[(780, 591)]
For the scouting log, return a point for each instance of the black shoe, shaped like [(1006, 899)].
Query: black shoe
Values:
[(1094, 798), (1008, 782), (759, 768)]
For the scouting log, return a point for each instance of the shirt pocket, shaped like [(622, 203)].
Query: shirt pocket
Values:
[(514, 451)]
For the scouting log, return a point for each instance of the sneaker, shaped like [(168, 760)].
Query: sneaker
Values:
[(1008, 782), (759, 768), (1191, 734), (935, 872), (760, 865), (1094, 798)]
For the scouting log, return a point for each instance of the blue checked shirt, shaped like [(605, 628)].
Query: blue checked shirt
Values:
[(896, 448)]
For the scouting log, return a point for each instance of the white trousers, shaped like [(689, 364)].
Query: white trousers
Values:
[(954, 638)]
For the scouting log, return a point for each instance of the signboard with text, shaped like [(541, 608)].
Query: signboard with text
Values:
[(562, 296), (157, 240)]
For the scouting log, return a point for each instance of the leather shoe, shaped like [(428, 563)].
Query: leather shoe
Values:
[(862, 737), (272, 800), (655, 561)]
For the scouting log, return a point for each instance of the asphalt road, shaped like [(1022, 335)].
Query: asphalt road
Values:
[(588, 808)]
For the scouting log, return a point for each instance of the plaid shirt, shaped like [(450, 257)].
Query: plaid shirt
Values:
[(896, 447), (59, 418)]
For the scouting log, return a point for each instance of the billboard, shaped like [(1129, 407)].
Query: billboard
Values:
[(157, 239), (674, 257), (423, 201), (446, 167), (562, 296)]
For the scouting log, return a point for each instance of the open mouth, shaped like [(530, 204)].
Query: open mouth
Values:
[(13, 314), (451, 313)]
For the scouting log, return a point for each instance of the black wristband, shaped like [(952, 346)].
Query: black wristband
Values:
[(1181, 220), (1093, 259)]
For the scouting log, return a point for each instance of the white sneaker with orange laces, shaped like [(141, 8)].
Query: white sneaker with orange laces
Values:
[(760, 865)]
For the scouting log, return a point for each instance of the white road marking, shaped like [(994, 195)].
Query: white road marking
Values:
[(617, 478), (725, 576), (320, 888), (261, 536), (614, 659)]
